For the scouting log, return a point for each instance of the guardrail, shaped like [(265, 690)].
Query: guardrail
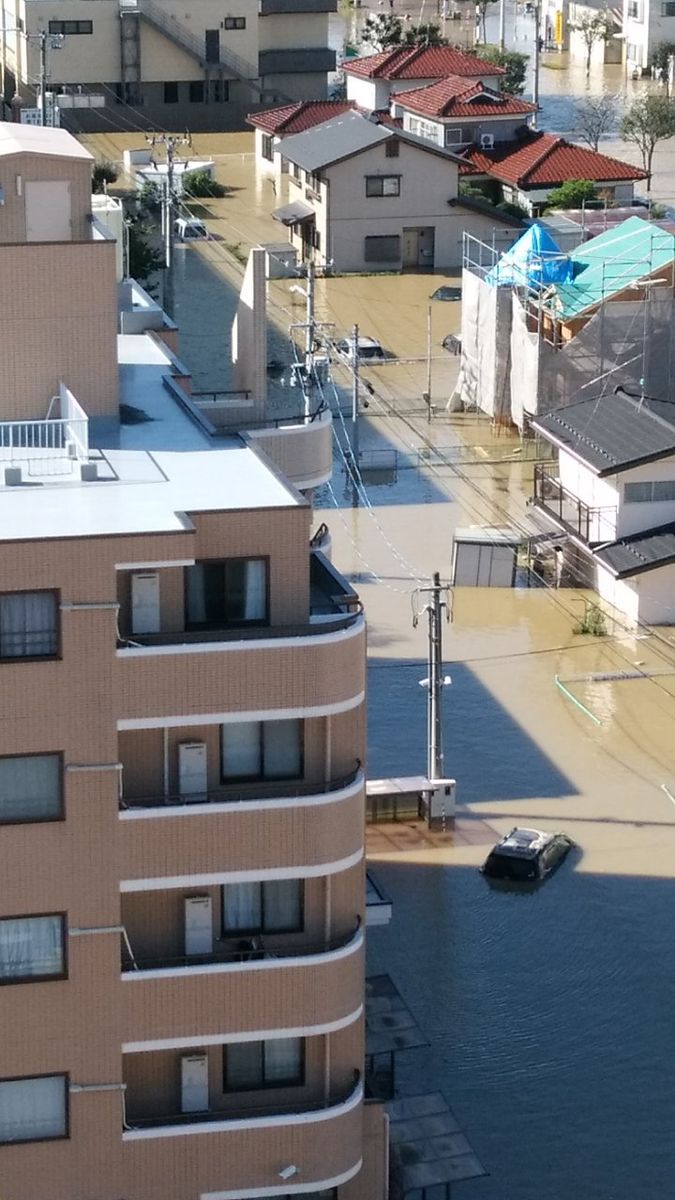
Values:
[(274, 790)]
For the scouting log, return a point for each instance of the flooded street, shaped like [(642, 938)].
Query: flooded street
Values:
[(548, 1015)]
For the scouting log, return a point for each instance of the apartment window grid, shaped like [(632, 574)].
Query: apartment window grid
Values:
[(383, 185), (267, 906), (32, 948), (31, 788), (257, 750), (71, 27), (34, 1108), (232, 591), (273, 1063), (649, 492), (28, 625)]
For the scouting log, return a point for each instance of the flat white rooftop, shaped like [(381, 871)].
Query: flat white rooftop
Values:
[(38, 139), (156, 473)]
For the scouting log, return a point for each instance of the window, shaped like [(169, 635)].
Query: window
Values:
[(668, 9), (268, 147), (272, 906), (458, 137), (30, 788), (234, 23), (32, 948), (71, 27), (313, 181), (650, 491), (171, 93), (261, 750), (423, 129), (277, 1062), (296, 173), (197, 91), (383, 185), (228, 592), (33, 1109), (382, 249), (28, 625), (391, 148), (316, 238), (220, 91)]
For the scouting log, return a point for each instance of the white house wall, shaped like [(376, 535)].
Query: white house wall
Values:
[(373, 94), (622, 594), (635, 517), (594, 492), (648, 597)]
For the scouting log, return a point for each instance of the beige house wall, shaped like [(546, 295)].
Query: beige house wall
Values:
[(17, 170), (58, 321)]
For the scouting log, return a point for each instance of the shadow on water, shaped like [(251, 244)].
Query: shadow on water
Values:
[(549, 1021), (476, 730)]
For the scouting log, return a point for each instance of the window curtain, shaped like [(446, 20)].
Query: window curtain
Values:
[(30, 787), (283, 1060), (196, 595), (27, 624), (241, 750), (244, 1065), (255, 594), (31, 946), (283, 904), (32, 1108), (242, 910), (283, 749)]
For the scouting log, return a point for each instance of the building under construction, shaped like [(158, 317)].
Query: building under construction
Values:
[(542, 328)]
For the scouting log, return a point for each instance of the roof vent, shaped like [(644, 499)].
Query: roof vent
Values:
[(88, 472), (13, 476)]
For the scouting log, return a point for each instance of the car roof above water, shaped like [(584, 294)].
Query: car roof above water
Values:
[(523, 843)]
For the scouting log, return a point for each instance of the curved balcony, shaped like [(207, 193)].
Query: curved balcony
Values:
[(321, 991), (164, 845), (316, 669)]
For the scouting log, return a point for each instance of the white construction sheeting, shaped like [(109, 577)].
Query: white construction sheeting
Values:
[(486, 326)]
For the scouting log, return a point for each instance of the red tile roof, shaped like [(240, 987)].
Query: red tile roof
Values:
[(456, 97), (295, 118), (545, 160), (419, 62)]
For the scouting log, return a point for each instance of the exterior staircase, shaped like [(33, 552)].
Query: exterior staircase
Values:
[(170, 27)]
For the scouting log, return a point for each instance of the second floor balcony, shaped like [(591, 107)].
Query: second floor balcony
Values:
[(591, 524)]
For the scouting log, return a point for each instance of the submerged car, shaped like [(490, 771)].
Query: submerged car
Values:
[(369, 349), (526, 855)]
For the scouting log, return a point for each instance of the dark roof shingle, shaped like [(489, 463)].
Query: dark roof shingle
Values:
[(612, 433), (639, 552)]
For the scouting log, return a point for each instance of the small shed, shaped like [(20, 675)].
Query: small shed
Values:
[(485, 556)]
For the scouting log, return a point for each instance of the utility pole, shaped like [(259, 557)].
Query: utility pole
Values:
[(435, 682), (535, 75), (309, 335), (43, 77), (427, 394), (355, 412), (502, 24), (168, 209)]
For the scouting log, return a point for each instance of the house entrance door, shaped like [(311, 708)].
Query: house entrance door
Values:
[(418, 248)]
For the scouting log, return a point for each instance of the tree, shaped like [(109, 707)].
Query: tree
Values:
[(201, 184), (514, 64), (424, 35), (575, 193), (649, 120), (104, 172), (595, 116), (596, 28), (481, 11), (660, 55), (382, 31), (144, 259)]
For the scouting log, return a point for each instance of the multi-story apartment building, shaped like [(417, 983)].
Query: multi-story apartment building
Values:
[(199, 66), (181, 779)]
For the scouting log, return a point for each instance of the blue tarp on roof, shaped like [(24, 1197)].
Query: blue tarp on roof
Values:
[(534, 261)]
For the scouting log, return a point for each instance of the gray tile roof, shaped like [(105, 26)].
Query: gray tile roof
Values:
[(639, 552), (333, 140), (612, 433)]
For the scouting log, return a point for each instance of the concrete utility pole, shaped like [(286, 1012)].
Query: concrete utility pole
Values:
[(427, 394), (309, 334), (355, 412), (43, 77), (502, 24), (436, 681), (168, 214), (535, 74)]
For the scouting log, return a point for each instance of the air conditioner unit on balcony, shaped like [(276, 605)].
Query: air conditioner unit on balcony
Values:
[(487, 141)]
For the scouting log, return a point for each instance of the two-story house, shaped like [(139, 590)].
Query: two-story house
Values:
[(458, 112), (373, 79), (613, 494), (366, 196)]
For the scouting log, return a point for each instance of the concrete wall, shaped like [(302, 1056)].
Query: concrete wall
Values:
[(249, 335)]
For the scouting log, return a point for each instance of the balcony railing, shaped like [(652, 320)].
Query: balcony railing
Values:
[(260, 790), (239, 951), (591, 524), (318, 1103)]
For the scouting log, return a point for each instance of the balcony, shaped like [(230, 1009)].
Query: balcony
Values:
[(258, 792), (250, 950), (592, 525)]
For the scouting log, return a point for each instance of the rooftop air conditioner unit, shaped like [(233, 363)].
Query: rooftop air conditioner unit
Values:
[(487, 141)]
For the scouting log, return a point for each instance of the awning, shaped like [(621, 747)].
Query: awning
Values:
[(292, 214)]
